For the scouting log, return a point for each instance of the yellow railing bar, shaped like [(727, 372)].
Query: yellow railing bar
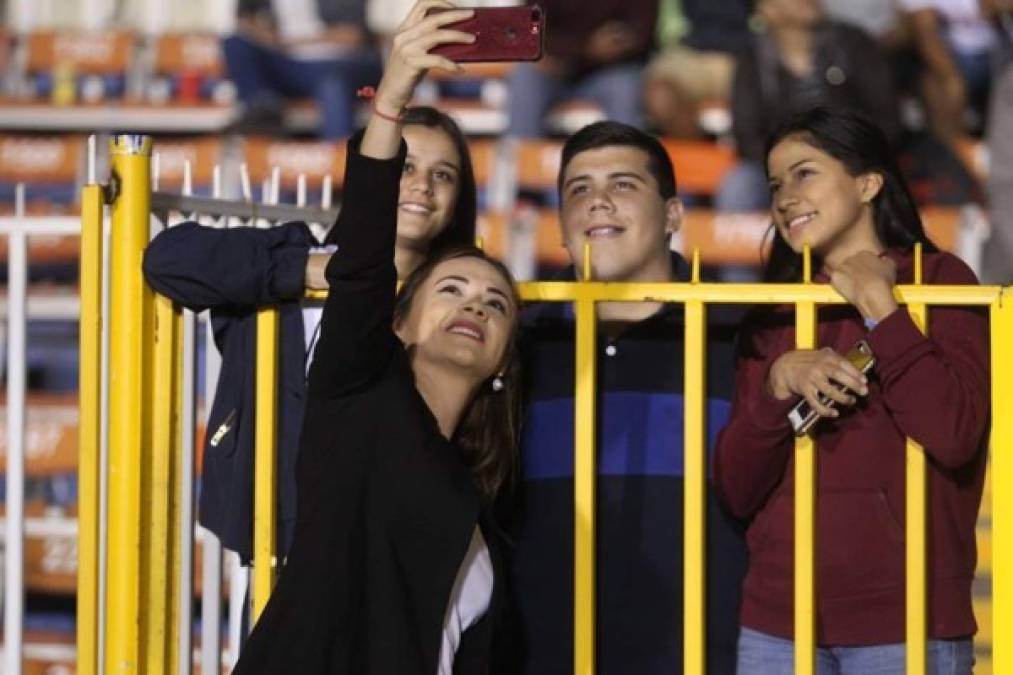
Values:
[(738, 294), (1000, 445), (916, 522), (584, 483), (265, 431), (731, 294), (694, 490), (89, 402), (130, 301), (805, 505), (176, 502), (160, 489)]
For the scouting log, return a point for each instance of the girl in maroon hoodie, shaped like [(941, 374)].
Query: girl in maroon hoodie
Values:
[(835, 185)]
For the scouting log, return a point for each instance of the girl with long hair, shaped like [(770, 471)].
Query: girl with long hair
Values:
[(233, 272), (835, 186)]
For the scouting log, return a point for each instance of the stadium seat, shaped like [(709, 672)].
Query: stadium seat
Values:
[(66, 67), (188, 70), (314, 159)]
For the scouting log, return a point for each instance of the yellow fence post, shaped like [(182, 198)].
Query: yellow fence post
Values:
[(1001, 449), (805, 508), (89, 441), (161, 487), (916, 523), (130, 306), (584, 478), (695, 482), (265, 431)]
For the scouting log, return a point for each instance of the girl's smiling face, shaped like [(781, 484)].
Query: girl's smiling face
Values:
[(429, 185), (815, 200)]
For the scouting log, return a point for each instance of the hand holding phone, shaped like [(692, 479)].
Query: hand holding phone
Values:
[(501, 34), (803, 417)]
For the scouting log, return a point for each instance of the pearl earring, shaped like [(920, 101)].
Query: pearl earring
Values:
[(497, 383)]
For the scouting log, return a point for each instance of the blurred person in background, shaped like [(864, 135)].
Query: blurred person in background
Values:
[(798, 58), (698, 42), (997, 263), (953, 43), (879, 18), (291, 49), (593, 50)]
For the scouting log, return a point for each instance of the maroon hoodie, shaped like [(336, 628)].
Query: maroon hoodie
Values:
[(934, 389)]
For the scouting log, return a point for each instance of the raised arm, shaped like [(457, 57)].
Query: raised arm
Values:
[(356, 336), (204, 267)]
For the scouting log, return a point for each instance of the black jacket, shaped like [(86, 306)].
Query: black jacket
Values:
[(387, 505), (233, 272)]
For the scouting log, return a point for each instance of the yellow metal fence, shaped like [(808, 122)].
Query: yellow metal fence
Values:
[(143, 599)]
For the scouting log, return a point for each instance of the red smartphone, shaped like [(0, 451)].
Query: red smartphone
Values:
[(501, 34)]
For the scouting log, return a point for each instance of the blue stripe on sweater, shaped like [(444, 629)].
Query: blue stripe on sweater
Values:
[(639, 434)]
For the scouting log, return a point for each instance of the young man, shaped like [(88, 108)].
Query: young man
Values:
[(617, 190)]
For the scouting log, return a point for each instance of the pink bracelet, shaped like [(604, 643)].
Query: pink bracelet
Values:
[(370, 93)]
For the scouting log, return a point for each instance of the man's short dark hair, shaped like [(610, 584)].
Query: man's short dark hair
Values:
[(608, 134)]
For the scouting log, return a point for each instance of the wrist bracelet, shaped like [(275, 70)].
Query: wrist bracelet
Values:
[(370, 93), (397, 119)]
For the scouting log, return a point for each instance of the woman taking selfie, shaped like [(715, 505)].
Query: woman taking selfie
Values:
[(409, 433), (835, 185)]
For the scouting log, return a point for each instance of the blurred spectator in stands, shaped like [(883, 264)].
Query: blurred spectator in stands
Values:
[(593, 50), (798, 58), (879, 18), (953, 43), (997, 264), (697, 62), (298, 49)]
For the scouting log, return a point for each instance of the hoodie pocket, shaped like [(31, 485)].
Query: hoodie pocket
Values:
[(860, 544)]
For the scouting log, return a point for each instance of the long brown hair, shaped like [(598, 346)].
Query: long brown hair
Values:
[(489, 430)]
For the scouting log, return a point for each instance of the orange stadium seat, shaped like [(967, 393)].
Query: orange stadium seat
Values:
[(49, 166), (314, 159), (70, 66), (699, 165), (188, 69)]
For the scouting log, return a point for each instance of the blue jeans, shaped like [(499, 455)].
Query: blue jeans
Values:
[(532, 92), (762, 654), (264, 76)]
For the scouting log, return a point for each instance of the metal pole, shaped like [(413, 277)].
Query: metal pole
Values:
[(805, 506), (694, 494), (265, 442), (584, 481), (916, 524), (89, 542), (211, 569), (14, 582), (188, 452), (131, 303), (1002, 481)]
